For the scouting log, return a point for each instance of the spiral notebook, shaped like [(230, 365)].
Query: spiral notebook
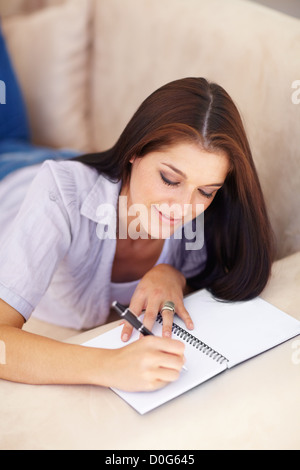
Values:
[(224, 335)]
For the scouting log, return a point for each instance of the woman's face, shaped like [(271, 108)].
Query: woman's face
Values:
[(169, 188)]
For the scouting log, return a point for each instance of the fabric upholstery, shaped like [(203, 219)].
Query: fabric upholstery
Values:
[(50, 51)]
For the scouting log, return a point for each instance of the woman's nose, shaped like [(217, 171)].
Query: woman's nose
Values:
[(186, 199), (189, 206)]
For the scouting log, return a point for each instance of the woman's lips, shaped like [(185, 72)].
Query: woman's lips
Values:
[(166, 218)]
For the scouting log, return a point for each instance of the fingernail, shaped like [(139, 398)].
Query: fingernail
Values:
[(125, 337), (167, 334)]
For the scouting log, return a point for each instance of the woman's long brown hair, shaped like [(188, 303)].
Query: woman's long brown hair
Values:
[(238, 235)]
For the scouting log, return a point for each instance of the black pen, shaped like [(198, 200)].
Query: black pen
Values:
[(127, 314), (131, 318)]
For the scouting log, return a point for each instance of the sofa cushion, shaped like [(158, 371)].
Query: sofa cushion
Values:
[(50, 52), (16, 154), (13, 115)]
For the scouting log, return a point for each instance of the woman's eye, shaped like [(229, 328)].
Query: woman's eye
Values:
[(207, 195), (176, 183), (167, 181)]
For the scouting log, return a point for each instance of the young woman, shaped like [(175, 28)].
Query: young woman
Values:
[(117, 225)]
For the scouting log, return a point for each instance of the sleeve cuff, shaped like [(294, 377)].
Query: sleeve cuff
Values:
[(15, 301)]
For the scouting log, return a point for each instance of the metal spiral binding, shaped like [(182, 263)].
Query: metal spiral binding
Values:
[(195, 342)]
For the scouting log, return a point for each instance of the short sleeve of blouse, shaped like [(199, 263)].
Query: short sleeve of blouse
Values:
[(39, 238)]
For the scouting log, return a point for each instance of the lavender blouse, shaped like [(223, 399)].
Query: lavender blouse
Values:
[(53, 263)]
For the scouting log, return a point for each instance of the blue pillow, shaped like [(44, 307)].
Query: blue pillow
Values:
[(16, 154), (13, 117)]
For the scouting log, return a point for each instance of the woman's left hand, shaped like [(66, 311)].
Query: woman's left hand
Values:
[(160, 284)]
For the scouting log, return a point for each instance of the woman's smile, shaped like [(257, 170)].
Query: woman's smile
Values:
[(164, 217)]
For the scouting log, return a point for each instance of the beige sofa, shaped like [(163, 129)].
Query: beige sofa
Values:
[(85, 66)]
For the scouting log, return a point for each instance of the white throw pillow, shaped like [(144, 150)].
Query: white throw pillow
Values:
[(50, 51)]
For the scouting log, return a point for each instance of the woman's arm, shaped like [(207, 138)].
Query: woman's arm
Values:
[(147, 364)]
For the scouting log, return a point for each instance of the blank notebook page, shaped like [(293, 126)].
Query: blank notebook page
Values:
[(239, 330)]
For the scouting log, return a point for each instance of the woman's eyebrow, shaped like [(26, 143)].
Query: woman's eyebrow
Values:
[(176, 170), (217, 185)]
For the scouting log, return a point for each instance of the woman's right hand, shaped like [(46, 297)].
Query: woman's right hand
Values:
[(147, 364)]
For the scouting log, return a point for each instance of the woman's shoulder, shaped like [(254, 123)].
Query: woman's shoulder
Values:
[(80, 188), (67, 171), (70, 179)]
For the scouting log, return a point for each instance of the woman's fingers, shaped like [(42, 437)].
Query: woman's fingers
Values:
[(147, 364), (136, 306), (182, 312), (160, 284), (126, 332), (150, 314), (168, 318), (150, 308), (165, 360)]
